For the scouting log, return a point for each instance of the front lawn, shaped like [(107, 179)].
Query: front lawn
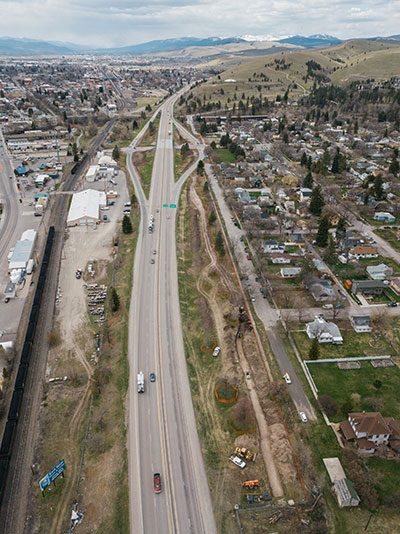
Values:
[(354, 345)]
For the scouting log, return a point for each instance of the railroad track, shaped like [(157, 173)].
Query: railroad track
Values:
[(17, 499)]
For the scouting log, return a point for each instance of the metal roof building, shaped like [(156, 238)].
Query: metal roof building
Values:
[(85, 206)]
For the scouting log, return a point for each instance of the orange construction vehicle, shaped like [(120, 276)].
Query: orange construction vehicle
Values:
[(251, 484)]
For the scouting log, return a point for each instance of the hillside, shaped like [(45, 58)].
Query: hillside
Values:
[(273, 74)]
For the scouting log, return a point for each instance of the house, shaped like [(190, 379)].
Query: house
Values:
[(395, 285), (384, 216), (297, 239), (324, 331), (321, 290), (360, 252), (319, 264), (273, 246), (290, 272), (361, 323), (369, 288), (379, 272), (280, 257), (369, 430), (305, 194)]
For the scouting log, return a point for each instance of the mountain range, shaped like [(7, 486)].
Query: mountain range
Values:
[(11, 46)]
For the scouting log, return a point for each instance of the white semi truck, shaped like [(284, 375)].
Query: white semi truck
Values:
[(140, 382)]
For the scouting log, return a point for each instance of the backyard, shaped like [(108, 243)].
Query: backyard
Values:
[(376, 388)]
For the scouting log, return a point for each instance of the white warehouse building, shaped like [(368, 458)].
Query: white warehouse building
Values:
[(85, 207)]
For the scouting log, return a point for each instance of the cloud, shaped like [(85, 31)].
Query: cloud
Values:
[(123, 22)]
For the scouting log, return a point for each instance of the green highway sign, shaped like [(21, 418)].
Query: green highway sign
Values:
[(165, 205), (172, 205)]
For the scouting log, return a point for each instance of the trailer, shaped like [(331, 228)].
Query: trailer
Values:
[(140, 382)]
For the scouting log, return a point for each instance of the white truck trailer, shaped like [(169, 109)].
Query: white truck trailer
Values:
[(140, 382)]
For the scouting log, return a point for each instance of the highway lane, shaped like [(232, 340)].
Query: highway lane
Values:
[(162, 434)]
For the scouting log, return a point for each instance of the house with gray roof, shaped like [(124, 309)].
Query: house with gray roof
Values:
[(369, 288), (379, 272), (361, 323), (324, 331)]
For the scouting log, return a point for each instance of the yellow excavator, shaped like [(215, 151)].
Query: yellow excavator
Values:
[(246, 454)]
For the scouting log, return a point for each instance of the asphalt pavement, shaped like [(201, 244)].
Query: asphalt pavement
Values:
[(162, 435)]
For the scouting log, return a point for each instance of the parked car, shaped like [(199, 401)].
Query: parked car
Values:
[(327, 307), (237, 461), (287, 378), (217, 350), (152, 377), (339, 306), (391, 304), (303, 417)]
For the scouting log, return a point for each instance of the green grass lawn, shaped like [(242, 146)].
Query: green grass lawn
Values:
[(225, 155), (354, 345), (341, 383), (388, 483)]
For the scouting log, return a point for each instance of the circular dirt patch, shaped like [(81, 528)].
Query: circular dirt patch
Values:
[(226, 393), (231, 321), (208, 347), (248, 428), (223, 294)]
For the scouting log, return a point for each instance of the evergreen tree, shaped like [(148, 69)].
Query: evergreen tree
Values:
[(322, 236), (116, 153), (394, 166), (316, 201), (330, 255), (184, 149), (336, 163), (200, 167), (378, 187), (219, 244), (314, 351), (212, 218), (341, 228), (115, 303), (308, 181), (127, 225)]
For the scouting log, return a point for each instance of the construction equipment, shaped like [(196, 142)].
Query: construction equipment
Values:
[(246, 454), (251, 484), (274, 518)]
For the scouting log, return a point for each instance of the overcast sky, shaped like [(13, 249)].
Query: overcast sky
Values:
[(122, 22)]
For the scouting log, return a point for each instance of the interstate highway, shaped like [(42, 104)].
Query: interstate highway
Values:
[(162, 435)]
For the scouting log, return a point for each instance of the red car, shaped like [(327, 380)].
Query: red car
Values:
[(157, 483)]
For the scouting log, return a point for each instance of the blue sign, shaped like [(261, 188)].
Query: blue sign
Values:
[(52, 475)]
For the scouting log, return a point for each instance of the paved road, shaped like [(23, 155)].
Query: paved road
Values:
[(162, 435), (11, 208)]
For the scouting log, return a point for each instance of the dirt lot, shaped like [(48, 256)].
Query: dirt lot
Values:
[(210, 298), (64, 419)]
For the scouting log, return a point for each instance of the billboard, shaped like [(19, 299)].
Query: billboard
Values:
[(52, 475)]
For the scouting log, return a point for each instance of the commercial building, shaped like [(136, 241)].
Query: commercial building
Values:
[(22, 251), (85, 207)]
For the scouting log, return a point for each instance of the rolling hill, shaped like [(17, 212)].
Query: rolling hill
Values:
[(274, 74)]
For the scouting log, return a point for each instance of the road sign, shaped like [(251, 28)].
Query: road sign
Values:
[(52, 475), (165, 205), (172, 205)]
